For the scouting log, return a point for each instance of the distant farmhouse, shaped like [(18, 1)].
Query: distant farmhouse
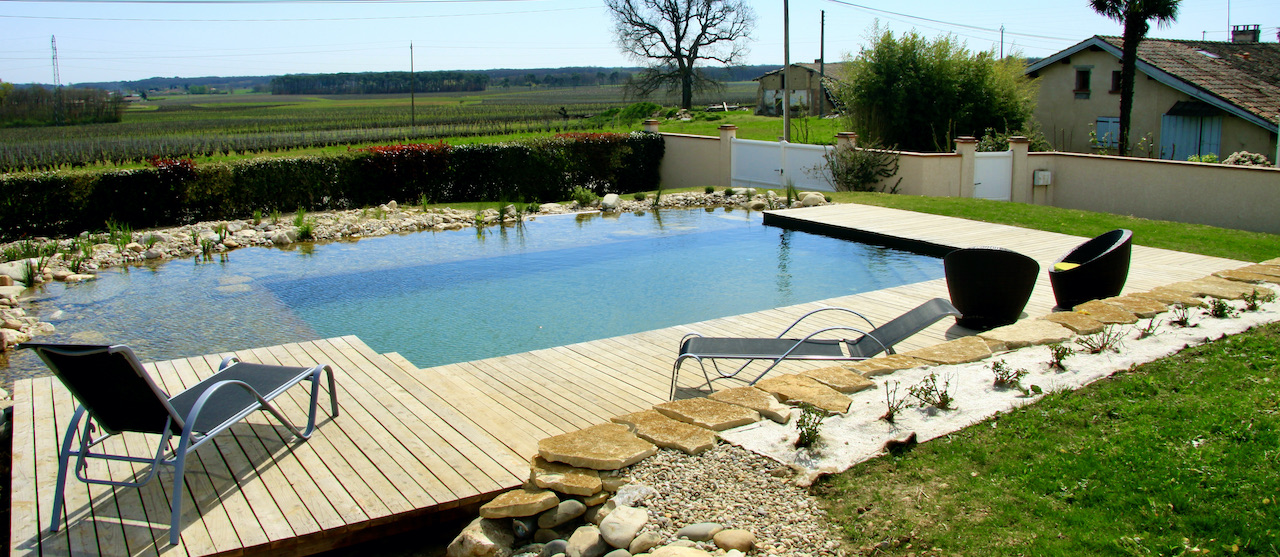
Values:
[(1192, 97), (811, 93)]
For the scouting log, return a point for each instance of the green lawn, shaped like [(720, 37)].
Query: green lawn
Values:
[(1177, 457)]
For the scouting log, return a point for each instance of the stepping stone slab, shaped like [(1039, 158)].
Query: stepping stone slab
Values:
[(711, 414), (597, 499), (1166, 295), (959, 351), (1078, 322), (519, 502), (1245, 276), (1275, 261), (562, 513), (794, 389), (564, 478), (599, 447), (1028, 332), (587, 542), (1217, 288), (884, 365), (741, 540), (1269, 270), (622, 525), (755, 399), (840, 379), (1106, 313), (667, 433), (1145, 308), (700, 532)]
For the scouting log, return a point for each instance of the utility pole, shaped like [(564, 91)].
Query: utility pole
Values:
[(1001, 41), (786, 71), (413, 84), (822, 63), (57, 82)]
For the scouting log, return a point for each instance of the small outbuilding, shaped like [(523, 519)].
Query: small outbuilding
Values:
[(812, 91)]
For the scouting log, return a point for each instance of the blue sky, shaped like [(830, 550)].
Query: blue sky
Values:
[(113, 40)]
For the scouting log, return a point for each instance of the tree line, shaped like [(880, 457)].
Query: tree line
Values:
[(43, 106), (378, 82)]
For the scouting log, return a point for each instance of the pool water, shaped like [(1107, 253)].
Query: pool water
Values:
[(444, 297)]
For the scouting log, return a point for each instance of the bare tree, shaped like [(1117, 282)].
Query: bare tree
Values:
[(673, 35)]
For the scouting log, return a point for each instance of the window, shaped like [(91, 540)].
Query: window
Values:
[(1083, 75), (1115, 81), (1107, 130)]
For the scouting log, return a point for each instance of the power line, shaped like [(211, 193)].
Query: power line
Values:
[(285, 20), (263, 1), (940, 22)]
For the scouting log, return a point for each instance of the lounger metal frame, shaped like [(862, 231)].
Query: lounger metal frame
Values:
[(188, 441)]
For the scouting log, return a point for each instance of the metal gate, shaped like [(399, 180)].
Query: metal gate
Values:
[(770, 164), (993, 175)]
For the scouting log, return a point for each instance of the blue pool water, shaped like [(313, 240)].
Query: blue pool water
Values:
[(446, 297)]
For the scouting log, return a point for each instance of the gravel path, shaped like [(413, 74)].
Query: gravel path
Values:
[(737, 489)]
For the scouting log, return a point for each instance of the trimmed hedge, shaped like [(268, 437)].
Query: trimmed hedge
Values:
[(68, 202)]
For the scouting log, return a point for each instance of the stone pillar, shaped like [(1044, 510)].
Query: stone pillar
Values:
[(651, 126), (728, 132), (846, 139), (1021, 181), (966, 147)]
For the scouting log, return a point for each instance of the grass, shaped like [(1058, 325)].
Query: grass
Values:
[(1176, 457), (1190, 238)]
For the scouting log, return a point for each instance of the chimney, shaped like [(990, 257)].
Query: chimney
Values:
[(1245, 34)]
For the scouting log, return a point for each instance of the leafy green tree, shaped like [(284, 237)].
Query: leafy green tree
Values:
[(673, 36), (1135, 15), (920, 95)]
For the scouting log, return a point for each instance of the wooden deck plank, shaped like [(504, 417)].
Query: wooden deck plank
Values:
[(24, 514)]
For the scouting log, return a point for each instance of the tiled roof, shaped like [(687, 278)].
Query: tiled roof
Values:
[(831, 71), (1246, 75)]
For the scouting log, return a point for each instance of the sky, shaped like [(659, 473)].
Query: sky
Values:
[(115, 40)]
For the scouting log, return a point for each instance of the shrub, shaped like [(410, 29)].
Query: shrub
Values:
[(859, 168), (1245, 158), (584, 196), (1207, 157)]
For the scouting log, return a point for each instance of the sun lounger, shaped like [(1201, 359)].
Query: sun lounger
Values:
[(864, 342), (120, 397)]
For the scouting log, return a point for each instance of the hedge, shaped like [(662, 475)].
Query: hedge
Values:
[(171, 193)]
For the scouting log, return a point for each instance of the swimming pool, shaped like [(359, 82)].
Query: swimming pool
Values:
[(444, 297)]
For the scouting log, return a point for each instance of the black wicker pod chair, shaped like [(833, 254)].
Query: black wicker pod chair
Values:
[(989, 286), (1093, 270)]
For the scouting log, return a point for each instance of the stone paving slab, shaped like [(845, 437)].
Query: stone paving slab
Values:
[(959, 351), (1028, 332), (599, 447), (711, 414), (1172, 297), (1217, 288), (755, 399), (840, 379), (1145, 308), (795, 389), (656, 428), (1106, 313), (1080, 323), (884, 365), (519, 503), (563, 478), (1268, 270)]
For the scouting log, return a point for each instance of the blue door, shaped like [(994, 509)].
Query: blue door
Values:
[(1184, 136)]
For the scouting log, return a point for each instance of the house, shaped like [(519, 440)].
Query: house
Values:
[(1190, 97), (809, 83)]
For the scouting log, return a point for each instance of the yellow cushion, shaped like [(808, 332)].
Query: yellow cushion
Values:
[(1064, 266)]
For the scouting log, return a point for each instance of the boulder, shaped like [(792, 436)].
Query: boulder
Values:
[(813, 199), (710, 414), (599, 447), (644, 542), (741, 540), (622, 525), (519, 502), (755, 399), (840, 379), (794, 389), (959, 351), (482, 538), (563, 478), (757, 205), (610, 202), (586, 541), (667, 433)]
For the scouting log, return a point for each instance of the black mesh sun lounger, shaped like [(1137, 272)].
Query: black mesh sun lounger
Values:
[(120, 397), (865, 342)]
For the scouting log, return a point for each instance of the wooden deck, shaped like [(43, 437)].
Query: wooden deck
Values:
[(413, 443)]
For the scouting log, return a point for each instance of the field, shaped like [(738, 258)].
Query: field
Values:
[(218, 127)]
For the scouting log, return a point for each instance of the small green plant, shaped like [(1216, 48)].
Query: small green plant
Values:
[(892, 402), (657, 198), (584, 196), (1007, 377), (275, 216), (1207, 157), (1220, 309), (807, 425), (424, 201), (728, 192), (638, 196), (300, 217), (1109, 338), (221, 230), (307, 230), (793, 194), (207, 246), (257, 217), (709, 190), (1058, 353), (1148, 330), (380, 213), (1253, 301), (1181, 316), (929, 393), (119, 234), (31, 274), (76, 264)]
